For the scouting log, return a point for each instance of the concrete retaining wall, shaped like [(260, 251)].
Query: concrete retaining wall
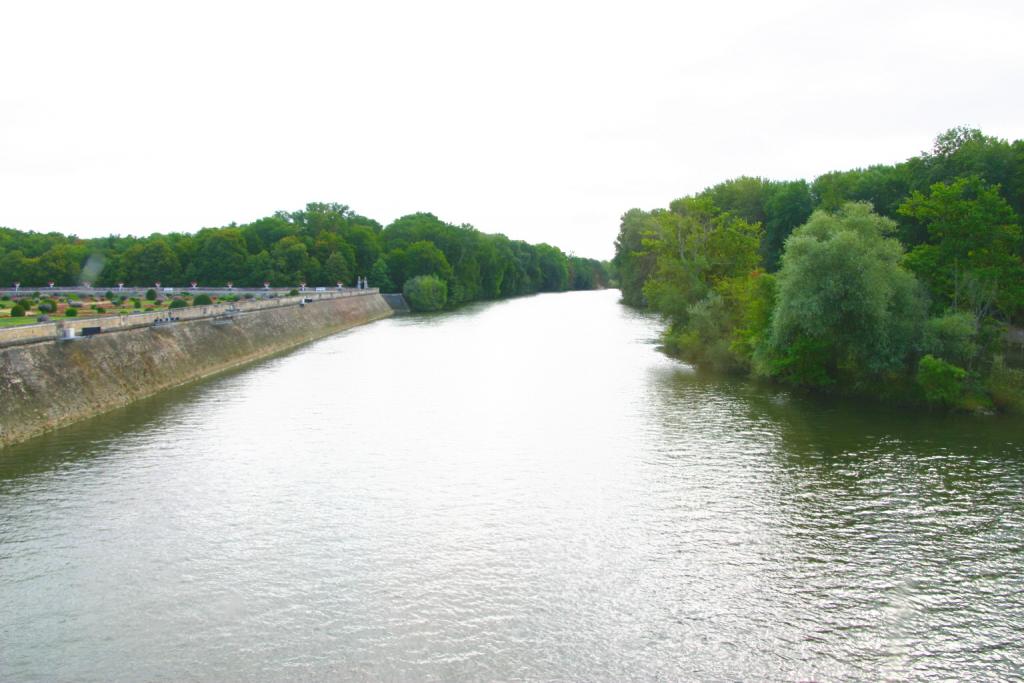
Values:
[(397, 302), (27, 334), (23, 334), (49, 384)]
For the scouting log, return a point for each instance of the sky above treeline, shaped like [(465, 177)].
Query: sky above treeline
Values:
[(544, 121)]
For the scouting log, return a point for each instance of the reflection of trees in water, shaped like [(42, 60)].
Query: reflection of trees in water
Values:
[(814, 429), (833, 464), (877, 526), (843, 437)]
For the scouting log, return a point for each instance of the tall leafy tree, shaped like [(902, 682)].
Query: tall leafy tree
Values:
[(338, 268), (787, 205), (153, 261), (846, 311), (703, 258), (221, 257), (634, 261), (972, 257)]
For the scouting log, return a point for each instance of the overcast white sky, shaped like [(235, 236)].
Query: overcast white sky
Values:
[(542, 120)]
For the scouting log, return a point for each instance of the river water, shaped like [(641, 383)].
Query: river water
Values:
[(523, 490)]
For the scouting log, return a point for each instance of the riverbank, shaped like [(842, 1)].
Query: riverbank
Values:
[(1000, 391), (54, 382)]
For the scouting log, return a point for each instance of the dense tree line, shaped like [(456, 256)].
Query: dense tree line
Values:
[(321, 245), (894, 280)]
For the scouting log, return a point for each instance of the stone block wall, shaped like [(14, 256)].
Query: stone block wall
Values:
[(49, 384)]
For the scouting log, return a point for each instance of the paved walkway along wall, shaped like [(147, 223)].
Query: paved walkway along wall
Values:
[(48, 384)]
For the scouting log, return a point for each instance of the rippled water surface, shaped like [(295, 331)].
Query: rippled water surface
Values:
[(519, 490)]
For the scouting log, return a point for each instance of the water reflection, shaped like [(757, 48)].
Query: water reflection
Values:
[(891, 525)]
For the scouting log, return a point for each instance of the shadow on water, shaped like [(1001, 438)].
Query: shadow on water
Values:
[(815, 429), (845, 455), (916, 515), (79, 443)]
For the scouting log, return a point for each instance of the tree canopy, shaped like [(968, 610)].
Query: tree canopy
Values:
[(892, 279), (322, 244), (847, 310)]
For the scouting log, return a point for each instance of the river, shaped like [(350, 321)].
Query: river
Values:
[(521, 490)]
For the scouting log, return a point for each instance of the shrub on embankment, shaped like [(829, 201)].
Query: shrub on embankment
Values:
[(426, 293)]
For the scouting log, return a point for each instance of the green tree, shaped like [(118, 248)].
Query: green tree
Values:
[(337, 269), (587, 273), (221, 257), (15, 267), (420, 258), (291, 260), (697, 246), (972, 259), (965, 152), (750, 302), (787, 205), (634, 262), (703, 281), (952, 336), (941, 382), (379, 276), (152, 261), (62, 264), (846, 310), (744, 197), (554, 268), (426, 293), (366, 246), (261, 269)]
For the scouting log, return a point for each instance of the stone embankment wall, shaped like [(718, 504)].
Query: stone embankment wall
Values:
[(48, 384), (397, 302), (23, 334)]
